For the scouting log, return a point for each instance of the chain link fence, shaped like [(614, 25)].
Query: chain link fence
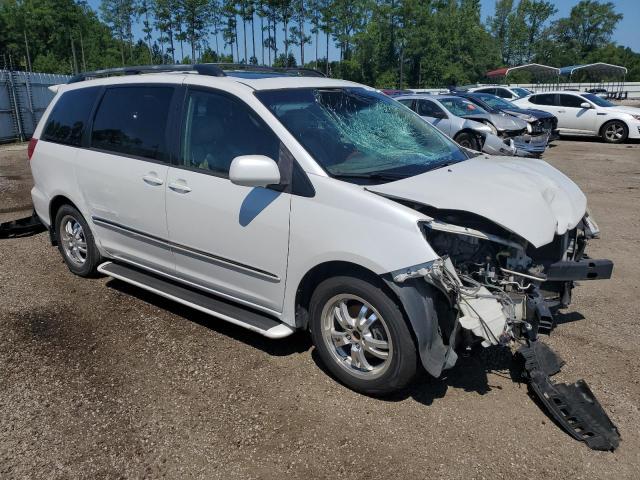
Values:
[(24, 96)]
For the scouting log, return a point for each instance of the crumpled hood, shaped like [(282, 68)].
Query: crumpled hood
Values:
[(528, 197), (527, 113), (500, 120)]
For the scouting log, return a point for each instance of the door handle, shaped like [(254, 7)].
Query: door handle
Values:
[(179, 187), (561, 111), (151, 179)]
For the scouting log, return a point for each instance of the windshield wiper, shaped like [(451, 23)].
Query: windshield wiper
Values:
[(370, 176)]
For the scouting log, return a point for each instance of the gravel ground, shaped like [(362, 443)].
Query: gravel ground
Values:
[(101, 380)]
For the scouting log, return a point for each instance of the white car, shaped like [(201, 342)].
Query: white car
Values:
[(587, 114), (510, 93), (283, 203)]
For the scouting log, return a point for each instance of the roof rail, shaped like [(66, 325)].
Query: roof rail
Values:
[(201, 68), (211, 69), (300, 71)]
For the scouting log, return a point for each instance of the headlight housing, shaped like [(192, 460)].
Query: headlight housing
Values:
[(529, 128)]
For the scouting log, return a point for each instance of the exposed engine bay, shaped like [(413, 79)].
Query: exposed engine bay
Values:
[(504, 291)]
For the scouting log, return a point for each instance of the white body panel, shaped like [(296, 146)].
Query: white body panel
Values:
[(125, 192), (236, 225)]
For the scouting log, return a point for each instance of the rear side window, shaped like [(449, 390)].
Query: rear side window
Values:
[(69, 116), (572, 101), (132, 121), (544, 99), (492, 91), (504, 93)]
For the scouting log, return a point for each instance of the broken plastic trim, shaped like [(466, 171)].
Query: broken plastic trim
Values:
[(22, 227), (574, 407)]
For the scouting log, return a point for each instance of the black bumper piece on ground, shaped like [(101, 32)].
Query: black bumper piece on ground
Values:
[(22, 227), (572, 406)]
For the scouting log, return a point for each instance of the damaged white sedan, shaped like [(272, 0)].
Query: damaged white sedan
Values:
[(281, 203)]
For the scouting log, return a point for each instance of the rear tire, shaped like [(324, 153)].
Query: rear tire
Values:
[(468, 140), (615, 131), (361, 336), (76, 242)]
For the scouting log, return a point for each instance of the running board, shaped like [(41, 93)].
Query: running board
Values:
[(225, 310)]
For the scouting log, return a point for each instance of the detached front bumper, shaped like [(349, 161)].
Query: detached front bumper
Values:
[(532, 144)]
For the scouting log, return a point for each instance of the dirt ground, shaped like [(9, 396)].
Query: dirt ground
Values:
[(102, 380)]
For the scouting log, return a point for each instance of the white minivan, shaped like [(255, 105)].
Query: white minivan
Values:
[(281, 202)]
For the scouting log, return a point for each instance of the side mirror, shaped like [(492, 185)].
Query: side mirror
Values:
[(585, 105), (254, 171)]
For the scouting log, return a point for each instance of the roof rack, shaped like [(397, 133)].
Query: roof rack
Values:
[(201, 68), (300, 71), (211, 69)]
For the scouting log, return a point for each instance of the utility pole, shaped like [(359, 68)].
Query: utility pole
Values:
[(26, 44)]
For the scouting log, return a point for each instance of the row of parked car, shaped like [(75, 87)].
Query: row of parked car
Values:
[(484, 119)]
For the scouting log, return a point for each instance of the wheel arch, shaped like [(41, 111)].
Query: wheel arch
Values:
[(54, 205), (604, 124)]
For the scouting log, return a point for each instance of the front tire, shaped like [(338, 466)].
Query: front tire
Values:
[(468, 140), (615, 131), (76, 242), (361, 336)]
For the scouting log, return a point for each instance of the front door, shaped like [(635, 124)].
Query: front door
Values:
[(231, 239), (123, 174), (435, 115), (575, 117)]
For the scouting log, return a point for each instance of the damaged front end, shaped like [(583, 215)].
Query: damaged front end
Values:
[(503, 291)]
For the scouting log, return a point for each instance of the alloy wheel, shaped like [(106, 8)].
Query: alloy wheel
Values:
[(356, 336)]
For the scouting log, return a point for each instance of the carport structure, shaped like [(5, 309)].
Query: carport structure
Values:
[(597, 75), (543, 76)]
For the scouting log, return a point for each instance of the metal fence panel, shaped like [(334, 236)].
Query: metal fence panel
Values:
[(24, 96)]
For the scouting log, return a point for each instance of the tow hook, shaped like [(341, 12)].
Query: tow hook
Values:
[(22, 227), (572, 406)]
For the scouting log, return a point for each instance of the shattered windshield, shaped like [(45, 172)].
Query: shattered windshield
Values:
[(461, 107), (354, 132)]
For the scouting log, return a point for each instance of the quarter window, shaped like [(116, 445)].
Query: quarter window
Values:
[(69, 116), (132, 121), (219, 128)]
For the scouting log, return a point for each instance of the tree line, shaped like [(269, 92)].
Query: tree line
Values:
[(385, 43)]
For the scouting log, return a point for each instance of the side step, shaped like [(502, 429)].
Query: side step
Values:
[(225, 310)]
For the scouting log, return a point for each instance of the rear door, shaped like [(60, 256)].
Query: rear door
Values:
[(123, 173), (572, 116), (228, 238)]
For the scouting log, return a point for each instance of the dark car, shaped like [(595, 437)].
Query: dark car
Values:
[(541, 122)]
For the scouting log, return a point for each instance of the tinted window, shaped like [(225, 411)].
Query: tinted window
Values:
[(429, 109), (486, 90), (132, 120), (69, 116), (572, 101), (407, 102), (219, 128), (544, 99), (504, 93)]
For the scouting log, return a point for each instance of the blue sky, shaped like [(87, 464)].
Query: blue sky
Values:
[(626, 34)]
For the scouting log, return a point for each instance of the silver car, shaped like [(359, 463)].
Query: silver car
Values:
[(463, 120)]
